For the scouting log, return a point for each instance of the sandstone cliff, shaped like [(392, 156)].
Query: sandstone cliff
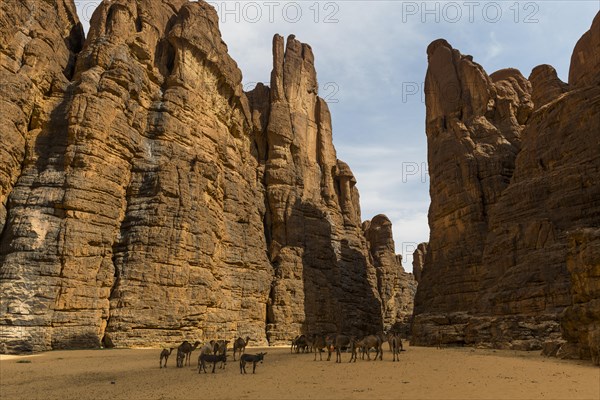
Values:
[(396, 287), (137, 214), (147, 199), (511, 180)]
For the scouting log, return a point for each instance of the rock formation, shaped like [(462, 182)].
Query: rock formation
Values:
[(581, 320), (323, 279), (419, 260), (146, 199), (396, 287), (511, 183)]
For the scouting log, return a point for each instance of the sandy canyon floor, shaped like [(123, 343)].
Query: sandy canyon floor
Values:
[(422, 373)]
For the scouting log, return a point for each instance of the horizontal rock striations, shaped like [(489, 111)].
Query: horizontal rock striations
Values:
[(509, 188), (39, 42), (147, 199), (138, 217)]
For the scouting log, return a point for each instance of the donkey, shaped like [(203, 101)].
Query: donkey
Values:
[(395, 342), (301, 344), (254, 359), (318, 343), (339, 342), (211, 358)]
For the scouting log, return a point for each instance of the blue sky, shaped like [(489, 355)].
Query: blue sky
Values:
[(371, 63)]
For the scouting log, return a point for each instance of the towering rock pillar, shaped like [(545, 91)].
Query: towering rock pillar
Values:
[(474, 124), (323, 278)]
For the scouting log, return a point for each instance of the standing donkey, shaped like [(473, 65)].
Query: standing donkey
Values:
[(254, 359), (395, 342)]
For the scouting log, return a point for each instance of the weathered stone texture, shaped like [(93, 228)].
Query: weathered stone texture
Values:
[(396, 287), (474, 125), (585, 60), (313, 218), (500, 221), (37, 62), (153, 200), (148, 199), (38, 44), (546, 85), (581, 320)]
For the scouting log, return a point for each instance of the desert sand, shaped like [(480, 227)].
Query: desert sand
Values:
[(422, 373)]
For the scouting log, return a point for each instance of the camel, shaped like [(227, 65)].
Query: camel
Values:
[(369, 342), (165, 354), (294, 341), (184, 351), (301, 344), (208, 348), (354, 346), (439, 339), (239, 345)]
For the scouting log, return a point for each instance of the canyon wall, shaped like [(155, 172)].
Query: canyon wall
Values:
[(147, 199), (514, 166)]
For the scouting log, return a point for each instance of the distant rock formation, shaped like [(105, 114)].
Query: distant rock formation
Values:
[(396, 287), (512, 182), (419, 260), (146, 199)]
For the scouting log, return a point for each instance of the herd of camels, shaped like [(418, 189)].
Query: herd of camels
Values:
[(215, 351)]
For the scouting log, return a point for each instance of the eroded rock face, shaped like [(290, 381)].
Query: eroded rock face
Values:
[(396, 287), (585, 60), (546, 85), (501, 216), (581, 320), (37, 63), (315, 240), (148, 199), (150, 212), (474, 125), (38, 44)]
